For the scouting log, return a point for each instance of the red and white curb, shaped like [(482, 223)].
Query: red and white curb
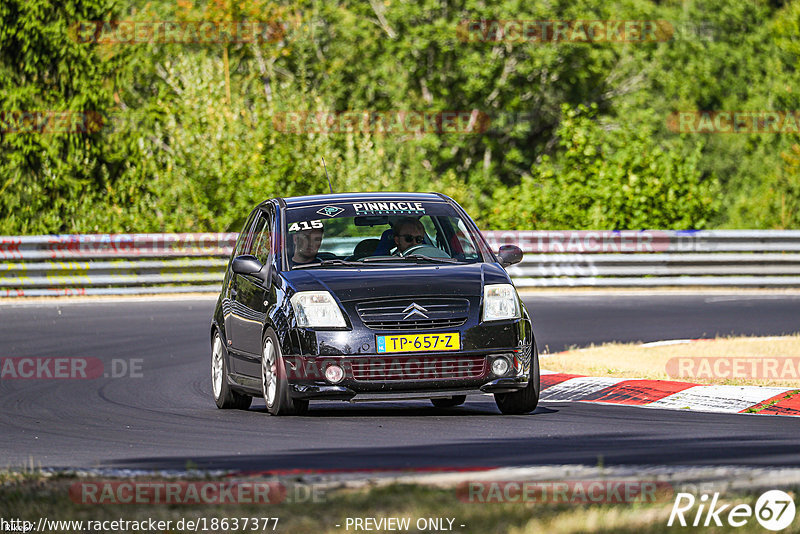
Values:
[(558, 387)]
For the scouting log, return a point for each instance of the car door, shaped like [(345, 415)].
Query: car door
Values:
[(249, 295), (230, 283)]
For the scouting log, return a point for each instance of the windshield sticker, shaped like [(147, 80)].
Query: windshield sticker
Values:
[(388, 208), (330, 211), (305, 225)]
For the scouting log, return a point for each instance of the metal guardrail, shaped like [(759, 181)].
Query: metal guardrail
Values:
[(651, 258), (113, 264), (116, 264)]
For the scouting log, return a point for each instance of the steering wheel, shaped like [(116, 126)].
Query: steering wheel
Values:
[(425, 250)]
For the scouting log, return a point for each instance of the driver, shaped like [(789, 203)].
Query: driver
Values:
[(408, 232), (306, 245)]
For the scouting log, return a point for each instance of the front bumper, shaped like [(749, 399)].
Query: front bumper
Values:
[(369, 375), (381, 377), (343, 393)]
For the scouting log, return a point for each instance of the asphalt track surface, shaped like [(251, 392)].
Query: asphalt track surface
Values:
[(166, 418)]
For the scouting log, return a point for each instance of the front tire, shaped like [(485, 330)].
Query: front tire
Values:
[(274, 382), (525, 400), (449, 402), (224, 397)]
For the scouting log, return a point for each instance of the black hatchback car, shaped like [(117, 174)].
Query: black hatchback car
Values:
[(369, 296)]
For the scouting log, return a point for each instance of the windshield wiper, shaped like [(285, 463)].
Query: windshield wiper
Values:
[(428, 258), (326, 263), (416, 257), (373, 259)]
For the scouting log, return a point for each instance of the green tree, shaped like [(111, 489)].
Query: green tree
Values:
[(608, 177), (45, 177)]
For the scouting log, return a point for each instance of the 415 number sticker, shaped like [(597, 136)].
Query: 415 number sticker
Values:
[(305, 225)]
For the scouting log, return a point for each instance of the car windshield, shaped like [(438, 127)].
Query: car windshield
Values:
[(390, 232)]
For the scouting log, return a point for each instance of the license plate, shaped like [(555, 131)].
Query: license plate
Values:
[(419, 342)]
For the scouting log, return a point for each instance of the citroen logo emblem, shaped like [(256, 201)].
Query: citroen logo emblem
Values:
[(414, 309)]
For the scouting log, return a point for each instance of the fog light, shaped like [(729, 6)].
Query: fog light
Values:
[(500, 366), (334, 374)]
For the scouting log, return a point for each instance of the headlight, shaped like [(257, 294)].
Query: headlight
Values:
[(500, 301), (316, 309)]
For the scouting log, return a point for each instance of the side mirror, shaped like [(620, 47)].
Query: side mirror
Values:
[(509, 255), (246, 265)]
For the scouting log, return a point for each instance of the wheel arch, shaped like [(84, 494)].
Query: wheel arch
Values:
[(284, 341)]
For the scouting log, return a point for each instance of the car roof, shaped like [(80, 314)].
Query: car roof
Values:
[(384, 196)]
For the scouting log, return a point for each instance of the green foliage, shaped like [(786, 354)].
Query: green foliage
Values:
[(615, 177), (577, 138), (775, 201), (45, 176)]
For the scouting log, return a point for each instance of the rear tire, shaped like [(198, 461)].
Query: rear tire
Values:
[(449, 402), (525, 400), (274, 382), (224, 397)]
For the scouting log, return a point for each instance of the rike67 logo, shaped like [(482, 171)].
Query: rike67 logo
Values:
[(774, 510)]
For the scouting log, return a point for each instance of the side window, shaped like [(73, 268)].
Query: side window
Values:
[(260, 243), (428, 225), (462, 234), (432, 228), (244, 236)]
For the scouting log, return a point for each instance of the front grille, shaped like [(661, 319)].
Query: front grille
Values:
[(415, 325), (397, 314), (425, 368)]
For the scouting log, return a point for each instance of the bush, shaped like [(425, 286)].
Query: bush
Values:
[(615, 177)]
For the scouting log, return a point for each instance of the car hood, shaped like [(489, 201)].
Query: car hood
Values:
[(407, 281)]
